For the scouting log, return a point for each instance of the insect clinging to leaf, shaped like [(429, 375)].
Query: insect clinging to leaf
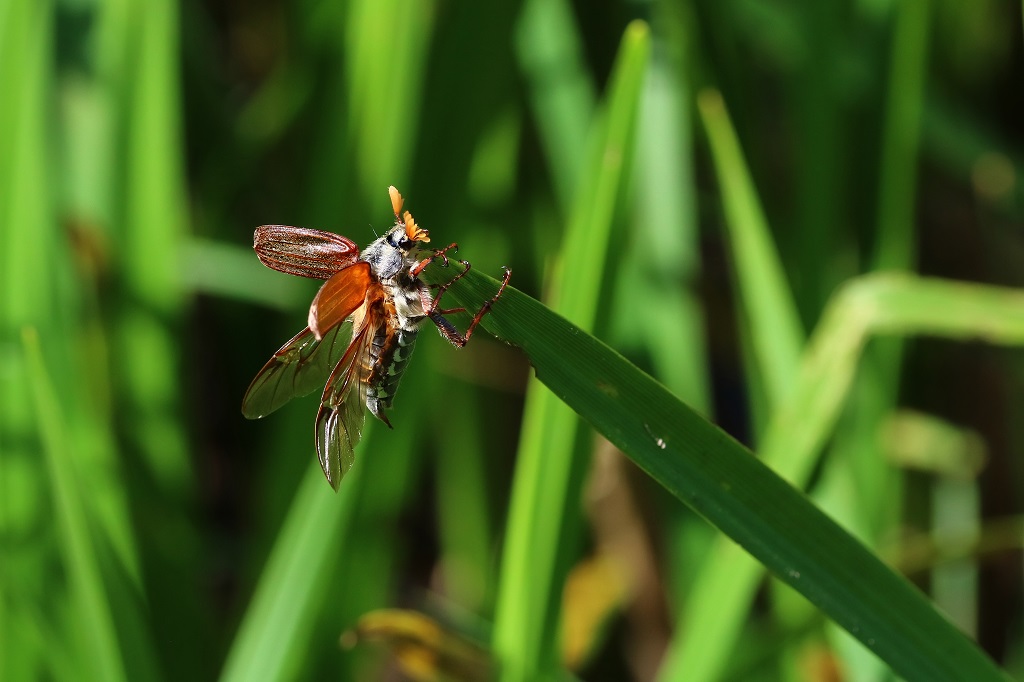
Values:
[(362, 326)]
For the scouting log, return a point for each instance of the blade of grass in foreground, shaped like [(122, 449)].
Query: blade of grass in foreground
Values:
[(716, 609), (719, 479), (548, 475), (273, 634)]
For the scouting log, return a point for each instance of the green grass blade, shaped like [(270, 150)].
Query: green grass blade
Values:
[(153, 222), (386, 44), (821, 156), (467, 526), (884, 305), (561, 92), (726, 583), (27, 234), (547, 473), (897, 178), (229, 270), (656, 291), (94, 623), (859, 486), (720, 599), (274, 633), (776, 336), (720, 480), (25, 197), (899, 304)]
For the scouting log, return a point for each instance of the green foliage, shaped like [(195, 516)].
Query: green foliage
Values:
[(721, 205)]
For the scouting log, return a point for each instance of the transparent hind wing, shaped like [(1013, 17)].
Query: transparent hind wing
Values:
[(339, 422), (298, 368)]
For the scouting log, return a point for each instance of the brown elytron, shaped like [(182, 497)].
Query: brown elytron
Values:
[(362, 327)]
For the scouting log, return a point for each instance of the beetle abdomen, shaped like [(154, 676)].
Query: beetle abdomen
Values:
[(391, 353)]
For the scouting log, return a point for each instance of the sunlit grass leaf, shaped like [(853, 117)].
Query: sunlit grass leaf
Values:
[(722, 481), (273, 633), (94, 623), (768, 308)]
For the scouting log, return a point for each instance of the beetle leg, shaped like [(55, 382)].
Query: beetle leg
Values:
[(444, 287), (440, 253), (447, 329)]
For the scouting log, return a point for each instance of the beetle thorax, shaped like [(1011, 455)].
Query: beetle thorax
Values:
[(392, 258)]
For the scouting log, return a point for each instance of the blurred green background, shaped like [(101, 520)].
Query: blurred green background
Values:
[(150, 532)]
